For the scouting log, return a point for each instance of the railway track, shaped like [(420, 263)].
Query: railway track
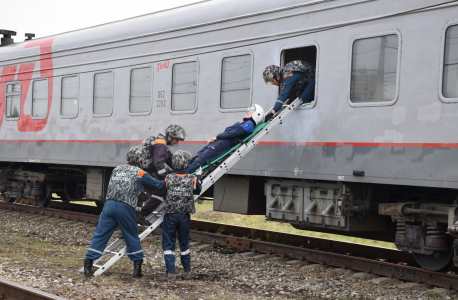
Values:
[(14, 291), (282, 246)]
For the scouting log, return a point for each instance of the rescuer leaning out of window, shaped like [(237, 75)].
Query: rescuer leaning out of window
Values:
[(158, 155), (179, 204), (223, 142), (297, 75), (124, 188)]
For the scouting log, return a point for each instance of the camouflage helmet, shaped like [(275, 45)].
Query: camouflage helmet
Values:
[(136, 154), (270, 73), (176, 132), (180, 160)]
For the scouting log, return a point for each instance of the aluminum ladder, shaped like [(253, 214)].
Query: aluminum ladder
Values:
[(156, 217)]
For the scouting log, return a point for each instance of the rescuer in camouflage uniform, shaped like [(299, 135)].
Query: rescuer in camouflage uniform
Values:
[(179, 204), (297, 75), (124, 188), (158, 154)]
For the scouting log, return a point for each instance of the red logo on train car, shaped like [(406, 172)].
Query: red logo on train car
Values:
[(164, 65), (24, 74)]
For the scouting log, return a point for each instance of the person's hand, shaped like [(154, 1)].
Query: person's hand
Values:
[(212, 140), (272, 111), (199, 171)]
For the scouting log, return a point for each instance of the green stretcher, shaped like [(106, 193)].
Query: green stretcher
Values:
[(256, 130)]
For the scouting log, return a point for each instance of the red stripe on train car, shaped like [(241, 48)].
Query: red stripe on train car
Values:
[(330, 144)]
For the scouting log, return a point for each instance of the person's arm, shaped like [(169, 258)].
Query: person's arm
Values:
[(236, 131), (159, 153), (287, 85), (169, 161), (143, 178)]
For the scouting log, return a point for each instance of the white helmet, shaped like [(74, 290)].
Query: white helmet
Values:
[(258, 113)]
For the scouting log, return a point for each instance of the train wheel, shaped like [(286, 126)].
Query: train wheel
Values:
[(437, 261), (42, 201)]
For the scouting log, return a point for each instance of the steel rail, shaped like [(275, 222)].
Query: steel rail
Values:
[(14, 291), (357, 257)]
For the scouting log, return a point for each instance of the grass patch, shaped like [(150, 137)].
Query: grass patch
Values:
[(204, 212), (435, 295)]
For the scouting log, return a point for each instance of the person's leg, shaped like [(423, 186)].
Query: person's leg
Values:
[(150, 205), (168, 241), (105, 228), (216, 150), (308, 94), (183, 234), (127, 221)]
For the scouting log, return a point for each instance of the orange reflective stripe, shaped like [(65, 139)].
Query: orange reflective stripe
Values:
[(195, 181), (141, 173), (181, 175), (291, 74), (127, 165), (165, 181), (160, 141)]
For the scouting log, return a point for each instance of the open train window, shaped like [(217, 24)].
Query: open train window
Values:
[(69, 97), (375, 68), (13, 100), (307, 54), (40, 99), (103, 94), (449, 90), (184, 87)]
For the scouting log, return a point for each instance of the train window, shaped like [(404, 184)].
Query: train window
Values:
[(236, 74), (307, 54), (69, 98), (40, 98), (374, 69), (140, 90), (13, 100), (184, 86), (450, 71), (103, 93)]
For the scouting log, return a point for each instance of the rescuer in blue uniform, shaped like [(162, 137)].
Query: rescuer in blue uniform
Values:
[(223, 142), (297, 75), (124, 188), (179, 205)]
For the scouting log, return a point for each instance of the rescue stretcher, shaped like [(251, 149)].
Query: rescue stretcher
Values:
[(210, 174)]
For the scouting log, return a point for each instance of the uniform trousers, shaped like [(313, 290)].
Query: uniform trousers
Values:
[(116, 213), (208, 154), (173, 224)]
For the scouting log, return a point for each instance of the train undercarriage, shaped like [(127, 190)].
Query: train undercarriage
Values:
[(419, 220)]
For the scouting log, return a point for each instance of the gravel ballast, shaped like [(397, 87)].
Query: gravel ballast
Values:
[(46, 253)]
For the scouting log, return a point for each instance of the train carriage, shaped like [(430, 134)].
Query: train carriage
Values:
[(374, 155)]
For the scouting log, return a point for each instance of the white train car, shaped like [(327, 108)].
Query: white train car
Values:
[(373, 155)]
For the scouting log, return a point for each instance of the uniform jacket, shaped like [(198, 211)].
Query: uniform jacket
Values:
[(126, 183), (308, 72), (239, 130), (158, 154), (180, 191)]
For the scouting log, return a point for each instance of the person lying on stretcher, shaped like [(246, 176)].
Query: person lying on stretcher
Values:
[(223, 142)]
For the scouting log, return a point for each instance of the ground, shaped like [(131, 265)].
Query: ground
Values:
[(43, 253)]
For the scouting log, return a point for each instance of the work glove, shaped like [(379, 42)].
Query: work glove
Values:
[(199, 171), (268, 116)]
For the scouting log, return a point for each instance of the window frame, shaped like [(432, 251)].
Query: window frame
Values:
[(47, 98), (78, 97), (442, 98), (196, 103), (304, 45), (130, 89), (234, 54), (113, 89), (398, 70), (20, 100)]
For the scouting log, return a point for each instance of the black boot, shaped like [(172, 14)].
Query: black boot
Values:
[(88, 267), (137, 269)]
